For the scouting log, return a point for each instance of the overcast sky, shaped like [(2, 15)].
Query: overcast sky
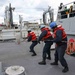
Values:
[(29, 9)]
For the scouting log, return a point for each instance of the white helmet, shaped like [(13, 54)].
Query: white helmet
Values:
[(29, 30), (42, 26)]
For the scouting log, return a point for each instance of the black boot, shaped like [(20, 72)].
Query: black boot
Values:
[(49, 58), (66, 69), (54, 63), (42, 63), (34, 54), (30, 51)]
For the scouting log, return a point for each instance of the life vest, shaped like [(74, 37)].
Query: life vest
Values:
[(70, 47), (63, 32), (48, 33), (33, 36)]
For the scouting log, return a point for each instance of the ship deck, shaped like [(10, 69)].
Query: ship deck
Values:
[(13, 54)]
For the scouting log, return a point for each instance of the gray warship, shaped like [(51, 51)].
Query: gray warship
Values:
[(12, 54)]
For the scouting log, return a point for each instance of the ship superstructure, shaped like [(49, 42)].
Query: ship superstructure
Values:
[(66, 17)]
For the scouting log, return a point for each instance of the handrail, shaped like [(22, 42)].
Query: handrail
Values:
[(65, 15), (12, 34), (68, 3)]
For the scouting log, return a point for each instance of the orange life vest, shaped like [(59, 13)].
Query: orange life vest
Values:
[(70, 47), (33, 36), (63, 32), (48, 33)]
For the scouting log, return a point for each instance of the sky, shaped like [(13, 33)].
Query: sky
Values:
[(30, 10)]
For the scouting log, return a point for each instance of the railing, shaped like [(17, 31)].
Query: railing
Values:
[(65, 16), (12, 33)]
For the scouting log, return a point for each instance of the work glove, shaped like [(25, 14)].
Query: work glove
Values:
[(38, 41)]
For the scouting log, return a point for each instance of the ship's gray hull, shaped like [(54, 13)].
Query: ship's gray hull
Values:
[(69, 26)]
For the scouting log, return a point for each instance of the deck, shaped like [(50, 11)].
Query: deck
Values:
[(13, 54)]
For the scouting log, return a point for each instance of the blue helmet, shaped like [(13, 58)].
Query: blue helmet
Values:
[(42, 26), (53, 24)]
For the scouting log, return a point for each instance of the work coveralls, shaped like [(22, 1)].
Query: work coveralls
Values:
[(46, 36), (60, 38), (32, 37)]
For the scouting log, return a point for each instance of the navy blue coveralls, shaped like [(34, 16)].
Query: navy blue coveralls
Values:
[(60, 48), (47, 46), (34, 43)]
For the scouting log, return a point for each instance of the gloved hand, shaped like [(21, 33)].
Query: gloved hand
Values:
[(38, 41)]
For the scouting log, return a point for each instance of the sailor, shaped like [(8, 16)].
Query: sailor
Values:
[(32, 37), (60, 38), (45, 36)]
